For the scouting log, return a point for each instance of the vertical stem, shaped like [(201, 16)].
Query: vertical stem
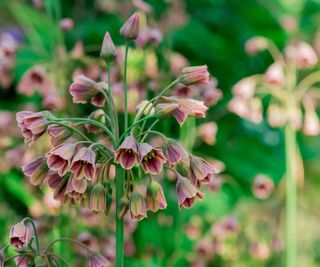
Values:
[(120, 173), (291, 194), (125, 87)]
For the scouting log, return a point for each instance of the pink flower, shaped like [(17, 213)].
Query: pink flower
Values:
[(108, 50), (97, 260), (84, 89), (127, 154), (83, 164), (155, 197), (66, 24), (256, 44), (187, 192), (173, 151), (58, 184), (275, 75), (194, 75), (37, 170), (262, 186), (260, 251), (277, 116), (33, 125), (98, 199), (200, 171), (165, 110), (244, 88), (75, 187), (58, 133), (207, 132), (19, 236), (311, 125), (306, 56), (22, 261), (187, 107), (130, 29), (137, 206), (149, 36), (151, 159), (59, 158)]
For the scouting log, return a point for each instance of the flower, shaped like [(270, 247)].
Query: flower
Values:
[(98, 199), (149, 36), (66, 24), (256, 44), (137, 206), (306, 56), (59, 158), (275, 75), (311, 125), (19, 236), (98, 115), (97, 260), (83, 164), (37, 170), (187, 192), (155, 197), (58, 134), (165, 110), (108, 50), (244, 88), (277, 116), (260, 251), (173, 151), (207, 132), (151, 159), (130, 29), (187, 107), (83, 89), (127, 154), (262, 186), (200, 171), (32, 124), (194, 75), (23, 260)]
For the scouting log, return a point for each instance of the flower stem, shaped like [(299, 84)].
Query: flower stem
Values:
[(27, 219), (125, 86), (291, 194), (120, 173)]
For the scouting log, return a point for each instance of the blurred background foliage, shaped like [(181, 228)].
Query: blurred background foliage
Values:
[(211, 32)]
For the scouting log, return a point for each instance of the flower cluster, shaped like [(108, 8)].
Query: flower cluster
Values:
[(84, 151), (293, 100)]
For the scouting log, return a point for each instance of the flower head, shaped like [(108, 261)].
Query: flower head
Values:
[(130, 29), (151, 159), (97, 202), (37, 170), (262, 186), (59, 158), (173, 151), (127, 154), (32, 124), (187, 192), (137, 206), (194, 75), (19, 236), (58, 134), (83, 164), (108, 50), (200, 170), (97, 260), (155, 197)]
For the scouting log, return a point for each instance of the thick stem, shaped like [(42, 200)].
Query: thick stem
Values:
[(291, 193), (125, 87), (120, 177)]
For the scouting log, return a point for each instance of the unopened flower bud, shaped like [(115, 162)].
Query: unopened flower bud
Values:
[(256, 44), (130, 29), (36, 170), (194, 75), (108, 50), (155, 197), (311, 125), (137, 206), (164, 110), (145, 108), (275, 75), (98, 199)]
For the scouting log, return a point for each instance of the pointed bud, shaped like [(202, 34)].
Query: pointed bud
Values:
[(165, 110), (108, 50), (98, 199), (155, 197), (130, 29), (137, 206), (194, 75)]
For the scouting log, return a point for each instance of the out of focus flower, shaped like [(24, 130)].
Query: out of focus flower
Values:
[(130, 29), (194, 75), (177, 62), (207, 132), (98, 115), (155, 197), (151, 159), (186, 191), (19, 236), (37, 170), (165, 110), (260, 251), (244, 88), (59, 134), (33, 125), (137, 206), (289, 23), (66, 24), (311, 125), (256, 44), (306, 56), (22, 261), (226, 227), (205, 247), (275, 75), (262, 186), (127, 154), (149, 36), (276, 116), (108, 50), (98, 199), (173, 151), (83, 164), (97, 260), (144, 6)]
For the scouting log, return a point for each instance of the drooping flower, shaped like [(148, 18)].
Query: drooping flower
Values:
[(187, 192), (59, 158), (36, 170), (137, 206), (58, 133), (97, 260), (23, 260), (165, 110), (108, 50), (155, 199), (256, 44), (130, 28), (200, 171), (83, 164), (151, 159), (187, 107), (262, 186), (194, 75), (311, 125), (207, 132), (19, 236), (173, 151), (244, 88), (127, 154), (32, 124), (306, 56), (97, 202), (277, 116), (275, 74)]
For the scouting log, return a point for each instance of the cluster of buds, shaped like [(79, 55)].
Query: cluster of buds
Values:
[(23, 238), (84, 150), (290, 101)]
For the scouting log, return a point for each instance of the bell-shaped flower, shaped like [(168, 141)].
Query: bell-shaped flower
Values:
[(36, 170), (97, 260), (187, 192), (173, 151), (306, 56), (83, 164), (137, 206), (19, 236), (200, 171), (127, 154), (151, 159), (275, 75), (155, 199), (97, 202), (58, 134)]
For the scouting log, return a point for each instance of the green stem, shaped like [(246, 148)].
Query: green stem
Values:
[(125, 86), (27, 219), (149, 129), (71, 129), (120, 173), (291, 194)]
